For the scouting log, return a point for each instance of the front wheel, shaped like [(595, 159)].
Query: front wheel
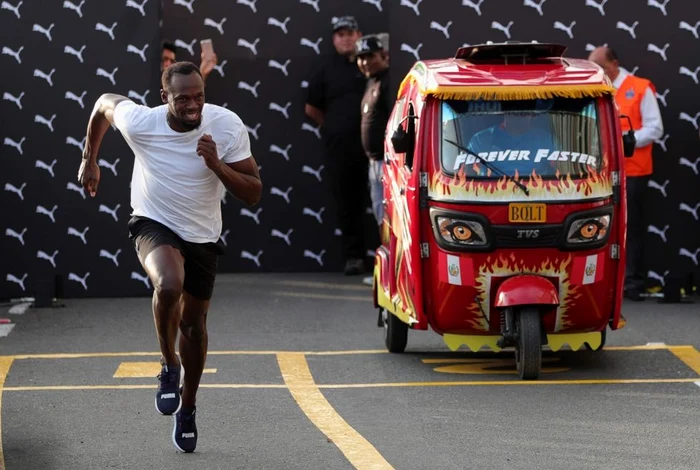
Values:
[(528, 347), (395, 332)]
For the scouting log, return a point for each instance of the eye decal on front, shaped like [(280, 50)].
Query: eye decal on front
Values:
[(458, 231), (589, 229)]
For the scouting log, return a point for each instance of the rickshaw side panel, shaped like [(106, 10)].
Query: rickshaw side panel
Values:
[(401, 190), (611, 120)]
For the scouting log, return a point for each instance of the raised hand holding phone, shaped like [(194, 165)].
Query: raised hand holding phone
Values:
[(208, 57)]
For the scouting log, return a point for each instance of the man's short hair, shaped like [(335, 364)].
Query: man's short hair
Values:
[(169, 46), (610, 54), (180, 68)]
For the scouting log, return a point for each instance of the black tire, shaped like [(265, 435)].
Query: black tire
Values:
[(528, 349), (603, 338), (395, 333)]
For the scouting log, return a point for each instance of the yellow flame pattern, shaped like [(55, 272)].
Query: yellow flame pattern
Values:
[(503, 266), (563, 188)]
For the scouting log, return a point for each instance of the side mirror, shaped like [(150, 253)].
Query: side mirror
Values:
[(629, 141), (399, 140)]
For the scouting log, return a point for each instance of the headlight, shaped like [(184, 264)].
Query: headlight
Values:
[(461, 232), (589, 229)]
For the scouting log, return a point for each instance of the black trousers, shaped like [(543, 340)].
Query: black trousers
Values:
[(348, 181), (636, 232)]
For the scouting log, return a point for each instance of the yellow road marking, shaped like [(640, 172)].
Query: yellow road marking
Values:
[(137, 370), (488, 366), (646, 347), (346, 353), (461, 383), (5, 364), (305, 295), (689, 355), (297, 376), (643, 347), (210, 353), (55, 388), (509, 382)]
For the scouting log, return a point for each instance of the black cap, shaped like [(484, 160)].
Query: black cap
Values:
[(368, 45), (347, 22)]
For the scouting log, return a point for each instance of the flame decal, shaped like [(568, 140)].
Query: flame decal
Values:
[(503, 266), (562, 188)]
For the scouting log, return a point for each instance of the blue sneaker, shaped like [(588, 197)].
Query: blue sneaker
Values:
[(168, 399), (185, 430)]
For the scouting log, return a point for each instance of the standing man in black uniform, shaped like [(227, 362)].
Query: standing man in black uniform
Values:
[(373, 61), (375, 107), (333, 102)]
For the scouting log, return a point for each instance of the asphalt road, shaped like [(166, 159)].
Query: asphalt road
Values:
[(298, 378)]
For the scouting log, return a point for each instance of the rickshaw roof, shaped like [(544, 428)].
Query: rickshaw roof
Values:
[(509, 71)]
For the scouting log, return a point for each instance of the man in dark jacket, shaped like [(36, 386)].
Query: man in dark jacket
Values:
[(375, 108), (333, 102), (373, 61)]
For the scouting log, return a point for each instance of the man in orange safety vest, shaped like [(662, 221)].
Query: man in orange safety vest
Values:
[(636, 98)]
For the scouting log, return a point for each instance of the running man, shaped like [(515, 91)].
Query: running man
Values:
[(187, 153)]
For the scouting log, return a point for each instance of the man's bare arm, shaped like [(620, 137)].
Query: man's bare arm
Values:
[(242, 179), (101, 118), (314, 113)]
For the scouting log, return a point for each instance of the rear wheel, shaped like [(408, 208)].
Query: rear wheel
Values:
[(528, 348), (395, 332)]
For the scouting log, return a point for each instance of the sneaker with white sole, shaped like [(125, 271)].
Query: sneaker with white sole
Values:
[(185, 430), (168, 399)]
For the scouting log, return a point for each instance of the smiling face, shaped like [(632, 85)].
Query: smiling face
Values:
[(185, 99), (372, 64)]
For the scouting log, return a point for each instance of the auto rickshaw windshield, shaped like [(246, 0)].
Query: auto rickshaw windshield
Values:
[(547, 137)]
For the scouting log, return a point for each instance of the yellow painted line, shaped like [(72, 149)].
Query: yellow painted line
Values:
[(646, 347), (84, 355), (209, 353), (347, 353), (643, 347), (297, 376), (508, 382), (136, 370), (5, 364), (689, 355), (56, 388), (305, 295), (314, 388)]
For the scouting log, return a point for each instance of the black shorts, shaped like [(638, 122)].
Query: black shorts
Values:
[(201, 259)]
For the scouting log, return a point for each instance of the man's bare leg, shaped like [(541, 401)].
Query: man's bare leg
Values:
[(194, 341), (165, 267)]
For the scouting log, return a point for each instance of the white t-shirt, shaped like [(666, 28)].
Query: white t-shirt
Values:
[(170, 182)]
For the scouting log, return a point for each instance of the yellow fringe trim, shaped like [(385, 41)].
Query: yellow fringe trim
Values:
[(407, 80), (507, 92), (426, 82)]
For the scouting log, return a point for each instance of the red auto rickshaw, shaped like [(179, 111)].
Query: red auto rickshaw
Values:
[(504, 221)]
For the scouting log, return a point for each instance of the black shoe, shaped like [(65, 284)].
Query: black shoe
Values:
[(354, 266), (185, 430), (168, 399)]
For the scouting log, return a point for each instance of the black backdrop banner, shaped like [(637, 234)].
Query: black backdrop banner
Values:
[(59, 56)]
